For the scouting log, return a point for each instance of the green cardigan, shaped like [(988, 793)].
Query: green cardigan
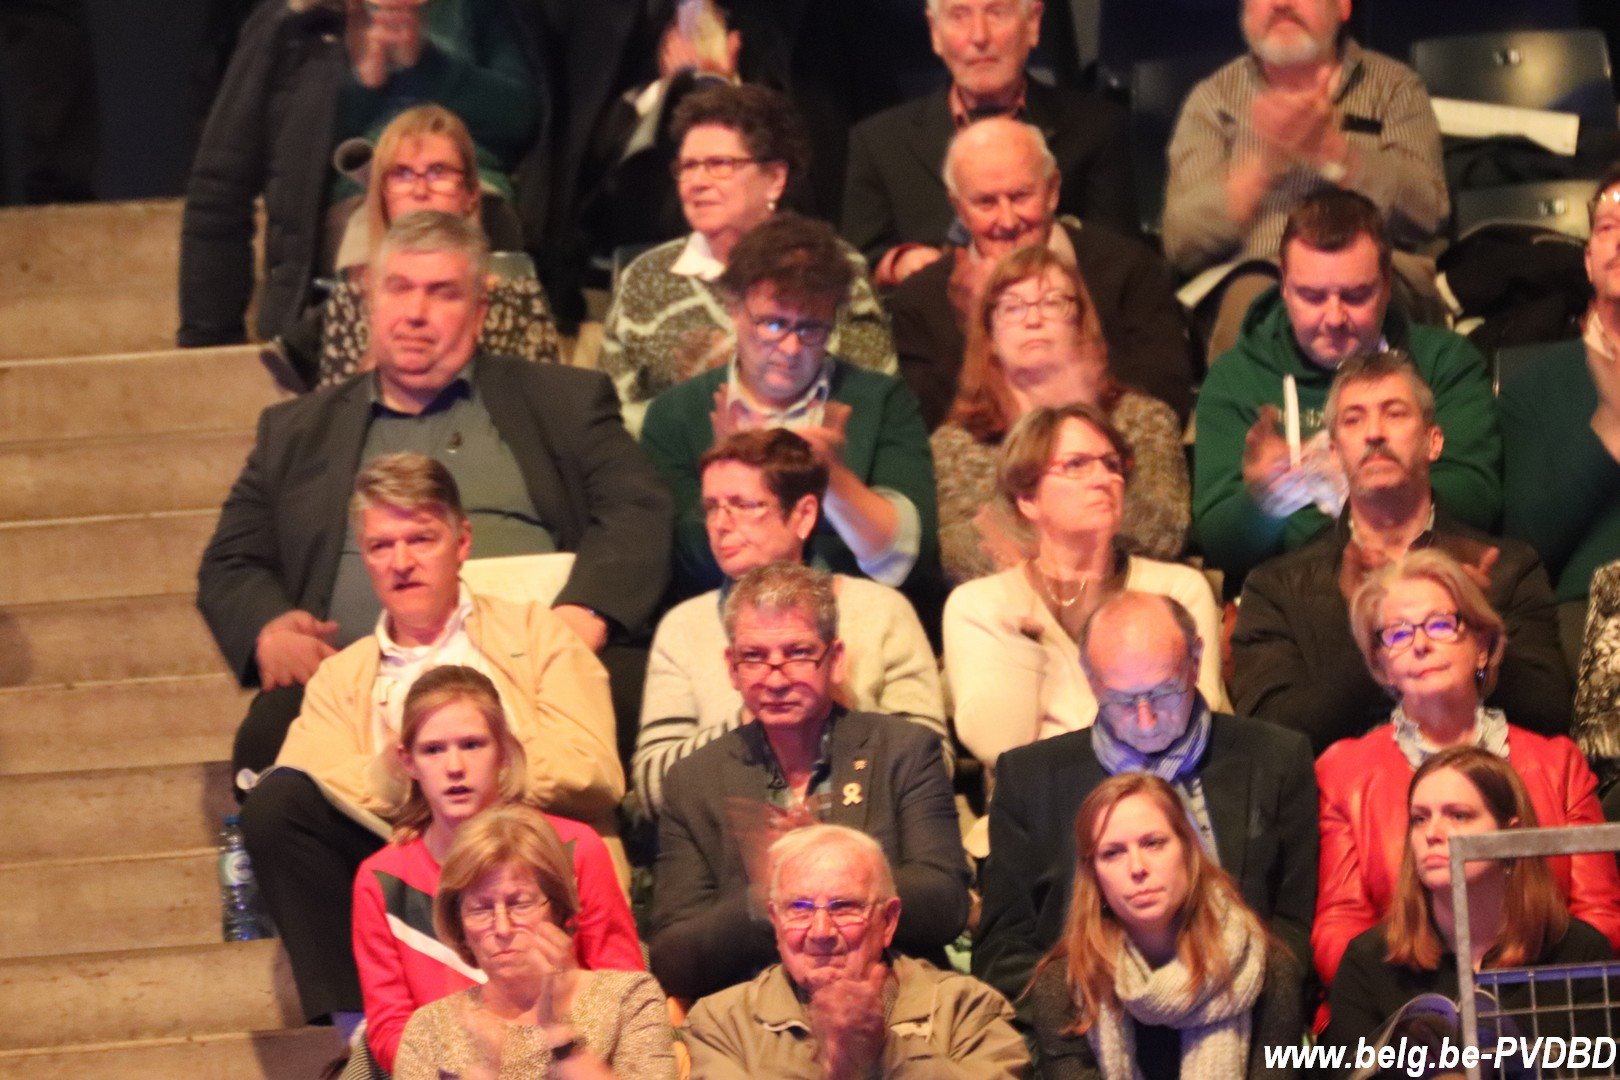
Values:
[(886, 446)]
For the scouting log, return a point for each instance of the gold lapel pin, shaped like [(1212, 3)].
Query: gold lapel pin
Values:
[(852, 794)]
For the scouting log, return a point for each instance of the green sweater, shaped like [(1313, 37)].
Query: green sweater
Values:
[(1561, 488), (1231, 529)]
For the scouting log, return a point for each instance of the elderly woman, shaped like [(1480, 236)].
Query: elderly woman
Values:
[(783, 288), (1161, 971), (741, 149), (1035, 340), (461, 758), (1010, 638), (506, 905), (425, 160), (1517, 916), (1430, 637)]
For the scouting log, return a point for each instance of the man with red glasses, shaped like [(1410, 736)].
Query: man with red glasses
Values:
[(799, 758)]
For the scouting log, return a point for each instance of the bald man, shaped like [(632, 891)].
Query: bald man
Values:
[(1005, 187), (1248, 786)]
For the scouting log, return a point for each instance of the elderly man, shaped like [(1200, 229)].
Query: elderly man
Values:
[(1306, 110), (784, 281), (1264, 476), (839, 1005), (897, 210), (1248, 785), (762, 493), (1295, 661), (1561, 427), (538, 450), (1005, 186), (800, 757), (312, 819)]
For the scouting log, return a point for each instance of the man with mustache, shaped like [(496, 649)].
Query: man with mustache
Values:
[(1265, 479), (1295, 662), (1305, 110)]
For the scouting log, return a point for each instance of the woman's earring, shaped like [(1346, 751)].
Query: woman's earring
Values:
[(1479, 675)]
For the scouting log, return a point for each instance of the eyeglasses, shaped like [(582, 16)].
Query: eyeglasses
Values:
[(521, 911), (773, 330), (800, 665), (715, 168), (1076, 466), (442, 179), (844, 914), (1053, 306), (739, 510), (1160, 697), (1442, 626)]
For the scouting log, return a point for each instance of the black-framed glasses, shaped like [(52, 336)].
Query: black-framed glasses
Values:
[(801, 913), (715, 167), (747, 510), (1076, 466), (442, 179), (1442, 626), (1054, 306), (800, 665), (774, 330)]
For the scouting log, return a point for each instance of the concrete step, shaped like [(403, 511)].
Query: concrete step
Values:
[(92, 278), (103, 905), (131, 474), (176, 390), (102, 557), (166, 721), (293, 1054), (113, 812), (140, 637), (147, 994)]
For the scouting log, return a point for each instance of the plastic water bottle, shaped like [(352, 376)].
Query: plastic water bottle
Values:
[(238, 891)]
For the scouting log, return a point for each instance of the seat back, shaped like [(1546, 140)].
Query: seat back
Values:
[(1393, 26), (1566, 70), (1158, 89), (1132, 31), (1550, 204)]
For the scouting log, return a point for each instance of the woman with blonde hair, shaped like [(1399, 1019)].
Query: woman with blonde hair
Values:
[(461, 758), (1036, 341), (1162, 971)]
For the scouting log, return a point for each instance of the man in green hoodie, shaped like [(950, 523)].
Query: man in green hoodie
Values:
[(1265, 479)]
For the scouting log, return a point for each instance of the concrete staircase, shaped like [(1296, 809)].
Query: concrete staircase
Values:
[(116, 712)]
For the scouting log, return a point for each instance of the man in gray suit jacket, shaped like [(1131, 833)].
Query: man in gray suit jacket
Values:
[(539, 452), (1248, 786)]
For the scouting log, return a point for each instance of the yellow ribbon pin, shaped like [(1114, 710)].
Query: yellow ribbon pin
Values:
[(852, 794)]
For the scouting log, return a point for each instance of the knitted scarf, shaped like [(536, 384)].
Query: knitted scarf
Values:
[(1177, 765), (1214, 1026)]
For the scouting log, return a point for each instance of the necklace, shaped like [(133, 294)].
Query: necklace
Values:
[(1052, 588)]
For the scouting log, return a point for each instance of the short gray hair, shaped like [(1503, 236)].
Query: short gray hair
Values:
[(978, 129), (1374, 367), (414, 483), (434, 231), (784, 586), (800, 842), (1190, 638), (933, 6)]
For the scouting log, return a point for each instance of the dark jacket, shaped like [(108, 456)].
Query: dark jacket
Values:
[(894, 188), (888, 780), (1296, 664), (1142, 321), (281, 531), (1261, 791)]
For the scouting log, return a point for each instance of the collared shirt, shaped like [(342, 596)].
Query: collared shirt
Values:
[(962, 116), (818, 792), (1598, 339), (697, 260), (399, 665), (1057, 241)]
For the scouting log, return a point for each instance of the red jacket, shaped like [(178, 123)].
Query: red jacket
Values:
[(403, 966), (1362, 784)]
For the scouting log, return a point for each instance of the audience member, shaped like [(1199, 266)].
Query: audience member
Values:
[(325, 806), (1010, 637), (1294, 662), (741, 148), (424, 160), (1035, 341), (537, 448), (897, 210), (1161, 970), (1561, 427), (801, 757), (1247, 784), (762, 492), (305, 77), (840, 1004), (460, 757), (1597, 693), (784, 284), (506, 905), (1004, 185), (1306, 110), (1265, 479), (1516, 914), (1429, 635)]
